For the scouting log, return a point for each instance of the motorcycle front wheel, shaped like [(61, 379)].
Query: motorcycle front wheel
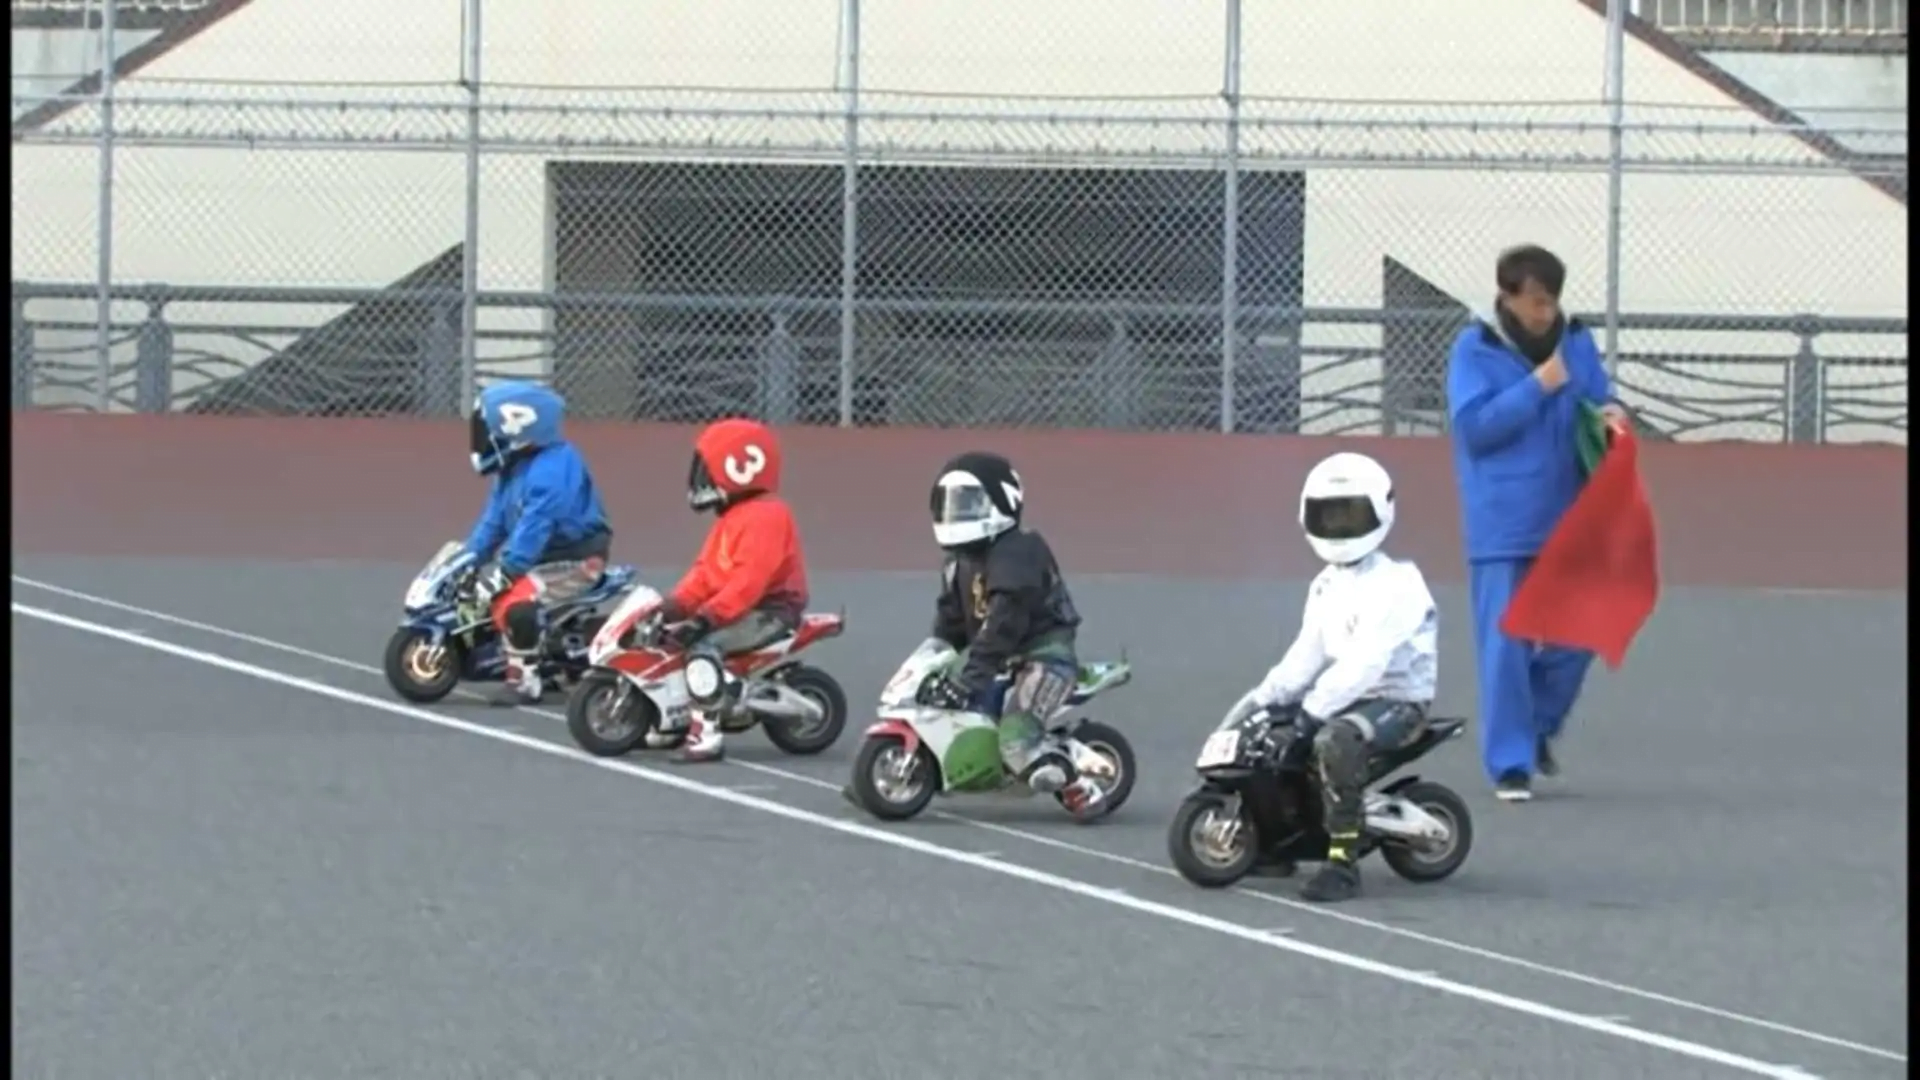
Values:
[(1210, 846), (607, 717), (889, 783), (420, 671)]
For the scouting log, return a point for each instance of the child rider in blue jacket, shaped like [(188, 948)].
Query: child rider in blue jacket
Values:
[(543, 535)]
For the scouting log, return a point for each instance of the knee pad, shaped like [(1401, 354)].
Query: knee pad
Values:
[(708, 688), (525, 622), (1340, 744)]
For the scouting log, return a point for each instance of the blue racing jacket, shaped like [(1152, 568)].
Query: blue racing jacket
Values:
[(543, 508), (1515, 445)]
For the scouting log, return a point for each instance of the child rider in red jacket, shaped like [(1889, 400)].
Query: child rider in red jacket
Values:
[(748, 587)]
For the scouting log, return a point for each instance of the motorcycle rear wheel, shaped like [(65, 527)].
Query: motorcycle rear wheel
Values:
[(1425, 867), (801, 738), (1111, 745)]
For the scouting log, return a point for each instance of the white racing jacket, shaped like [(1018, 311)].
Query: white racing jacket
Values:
[(1369, 630)]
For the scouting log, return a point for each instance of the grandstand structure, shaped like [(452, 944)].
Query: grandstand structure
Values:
[(599, 153), (1821, 26)]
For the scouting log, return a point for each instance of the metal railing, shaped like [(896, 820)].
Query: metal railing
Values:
[(692, 358), (1730, 20), (846, 254)]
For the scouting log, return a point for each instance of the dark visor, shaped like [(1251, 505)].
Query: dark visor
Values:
[(477, 439), (1347, 517), (699, 477)]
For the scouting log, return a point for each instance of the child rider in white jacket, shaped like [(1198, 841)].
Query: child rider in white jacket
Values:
[(1362, 671)]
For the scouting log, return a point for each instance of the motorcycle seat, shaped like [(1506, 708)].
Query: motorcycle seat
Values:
[(813, 626), (1438, 730)]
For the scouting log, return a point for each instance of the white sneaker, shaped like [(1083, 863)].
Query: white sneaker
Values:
[(521, 687), (1047, 778), (704, 742)]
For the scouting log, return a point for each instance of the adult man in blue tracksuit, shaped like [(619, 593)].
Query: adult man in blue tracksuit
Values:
[(1515, 382)]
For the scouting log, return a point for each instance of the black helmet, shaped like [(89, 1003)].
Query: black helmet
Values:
[(977, 497)]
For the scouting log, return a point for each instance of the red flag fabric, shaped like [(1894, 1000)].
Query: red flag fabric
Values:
[(1597, 579)]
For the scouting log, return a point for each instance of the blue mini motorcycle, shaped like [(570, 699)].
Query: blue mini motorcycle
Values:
[(446, 635)]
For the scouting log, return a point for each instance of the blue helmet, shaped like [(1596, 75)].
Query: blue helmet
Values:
[(511, 420)]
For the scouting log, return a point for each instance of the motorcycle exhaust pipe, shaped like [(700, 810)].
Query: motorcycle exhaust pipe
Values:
[(785, 704)]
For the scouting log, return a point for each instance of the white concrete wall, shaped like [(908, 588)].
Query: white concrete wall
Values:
[(1692, 243), (47, 62), (1857, 95)]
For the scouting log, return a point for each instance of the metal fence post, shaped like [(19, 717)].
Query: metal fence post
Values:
[(1230, 224), (1615, 93), (104, 211), (470, 245), (849, 206), (24, 361), (153, 361)]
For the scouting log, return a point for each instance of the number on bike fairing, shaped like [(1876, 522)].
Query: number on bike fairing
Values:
[(1221, 748)]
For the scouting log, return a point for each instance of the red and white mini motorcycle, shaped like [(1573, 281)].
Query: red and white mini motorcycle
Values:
[(638, 691)]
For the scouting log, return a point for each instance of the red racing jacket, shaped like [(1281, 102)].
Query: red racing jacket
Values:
[(751, 559)]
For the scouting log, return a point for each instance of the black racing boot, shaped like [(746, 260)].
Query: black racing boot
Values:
[(1268, 866), (1338, 880), (1543, 757)]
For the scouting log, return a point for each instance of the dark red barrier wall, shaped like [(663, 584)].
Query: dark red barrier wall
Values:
[(1813, 517)]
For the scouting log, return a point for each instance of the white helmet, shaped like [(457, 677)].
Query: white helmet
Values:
[(977, 497), (1346, 508)]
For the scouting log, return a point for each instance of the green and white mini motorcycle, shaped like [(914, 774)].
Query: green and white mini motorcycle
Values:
[(917, 751)]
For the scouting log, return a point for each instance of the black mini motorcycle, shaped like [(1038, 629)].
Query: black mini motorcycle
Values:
[(1259, 804)]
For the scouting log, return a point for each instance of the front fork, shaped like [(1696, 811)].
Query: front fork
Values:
[(433, 651), (1228, 822)]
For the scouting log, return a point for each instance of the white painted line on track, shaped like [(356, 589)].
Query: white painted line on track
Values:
[(1318, 911), (1072, 886)]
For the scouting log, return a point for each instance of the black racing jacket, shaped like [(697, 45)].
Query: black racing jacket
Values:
[(1001, 602)]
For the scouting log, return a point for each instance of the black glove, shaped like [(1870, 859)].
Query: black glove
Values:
[(944, 692), (681, 635)]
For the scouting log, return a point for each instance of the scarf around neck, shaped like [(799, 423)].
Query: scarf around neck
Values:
[(1535, 347)]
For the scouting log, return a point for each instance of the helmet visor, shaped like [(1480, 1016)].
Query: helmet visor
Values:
[(961, 504), (485, 455), (702, 492), (478, 441), (1345, 517)]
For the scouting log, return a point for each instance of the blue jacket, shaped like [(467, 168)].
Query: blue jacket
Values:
[(543, 508), (1515, 457)]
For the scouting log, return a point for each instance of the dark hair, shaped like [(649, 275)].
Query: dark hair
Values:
[(1530, 262)]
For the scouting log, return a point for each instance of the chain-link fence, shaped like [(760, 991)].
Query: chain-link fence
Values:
[(940, 213)]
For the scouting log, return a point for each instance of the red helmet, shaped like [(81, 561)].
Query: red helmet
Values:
[(733, 459)]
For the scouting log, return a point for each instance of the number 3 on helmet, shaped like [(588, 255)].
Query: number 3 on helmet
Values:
[(732, 459)]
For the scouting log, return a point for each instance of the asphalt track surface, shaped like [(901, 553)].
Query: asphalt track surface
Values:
[(241, 858)]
